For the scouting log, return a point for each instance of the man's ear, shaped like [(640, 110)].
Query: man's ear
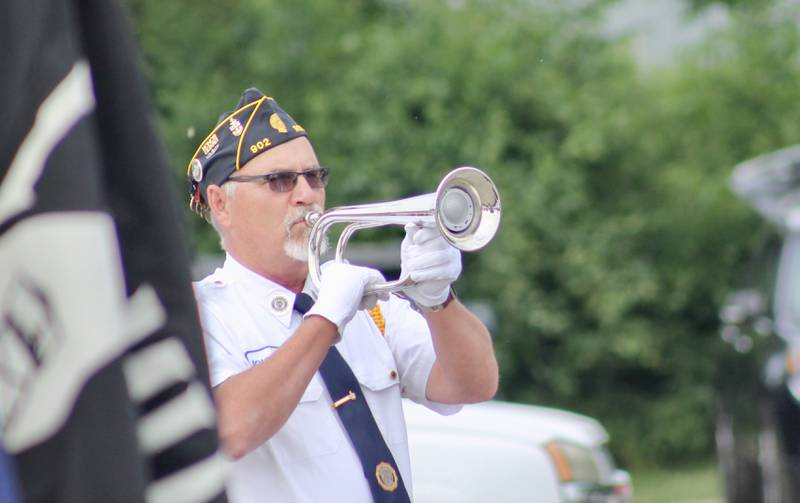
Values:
[(218, 202)]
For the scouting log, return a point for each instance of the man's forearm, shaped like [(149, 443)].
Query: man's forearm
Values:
[(465, 370)]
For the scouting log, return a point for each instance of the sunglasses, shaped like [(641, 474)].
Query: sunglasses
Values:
[(285, 181)]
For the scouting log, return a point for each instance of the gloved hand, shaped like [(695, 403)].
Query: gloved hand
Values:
[(341, 292), (430, 261)]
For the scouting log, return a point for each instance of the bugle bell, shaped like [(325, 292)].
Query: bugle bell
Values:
[(465, 209)]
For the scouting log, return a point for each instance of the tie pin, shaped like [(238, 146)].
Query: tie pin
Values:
[(344, 400)]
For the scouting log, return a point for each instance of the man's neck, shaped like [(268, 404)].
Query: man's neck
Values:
[(284, 270)]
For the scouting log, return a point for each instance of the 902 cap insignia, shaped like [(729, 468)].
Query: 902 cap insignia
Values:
[(257, 125)]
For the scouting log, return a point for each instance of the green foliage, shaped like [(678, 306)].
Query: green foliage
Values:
[(619, 234), (695, 482), (698, 5)]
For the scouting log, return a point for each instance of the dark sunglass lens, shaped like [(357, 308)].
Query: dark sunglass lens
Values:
[(313, 179), (317, 178), (283, 182)]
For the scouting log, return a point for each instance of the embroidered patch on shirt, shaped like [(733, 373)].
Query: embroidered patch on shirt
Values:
[(256, 356)]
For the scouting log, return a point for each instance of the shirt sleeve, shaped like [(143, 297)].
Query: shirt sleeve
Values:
[(221, 361), (410, 341)]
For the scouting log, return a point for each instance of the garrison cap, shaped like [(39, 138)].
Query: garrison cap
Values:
[(256, 125)]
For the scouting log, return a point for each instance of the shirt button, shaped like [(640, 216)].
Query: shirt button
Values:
[(393, 374)]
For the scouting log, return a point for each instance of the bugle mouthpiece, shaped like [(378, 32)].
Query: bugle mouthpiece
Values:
[(311, 218)]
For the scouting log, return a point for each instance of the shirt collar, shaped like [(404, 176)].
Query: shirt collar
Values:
[(276, 299)]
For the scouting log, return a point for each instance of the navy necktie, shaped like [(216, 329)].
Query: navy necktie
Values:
[(377, 461), (8, 483)]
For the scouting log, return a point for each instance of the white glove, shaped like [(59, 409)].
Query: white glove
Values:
[(430, 261), (341, 292)]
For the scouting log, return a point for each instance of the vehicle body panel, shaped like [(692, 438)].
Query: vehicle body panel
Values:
[(498, 451)]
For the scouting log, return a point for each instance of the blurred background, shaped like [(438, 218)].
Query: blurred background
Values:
[(611, 129)]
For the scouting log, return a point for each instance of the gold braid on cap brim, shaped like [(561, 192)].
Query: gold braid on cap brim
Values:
[(196, 201)]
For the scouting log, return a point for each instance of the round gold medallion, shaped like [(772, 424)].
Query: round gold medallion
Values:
[(386, 475)]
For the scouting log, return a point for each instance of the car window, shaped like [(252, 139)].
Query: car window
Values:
[(787, 304)]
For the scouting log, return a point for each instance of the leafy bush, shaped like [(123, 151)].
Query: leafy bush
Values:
[(619, 234)]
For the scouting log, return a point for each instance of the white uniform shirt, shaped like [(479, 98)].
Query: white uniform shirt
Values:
[(310, 459)]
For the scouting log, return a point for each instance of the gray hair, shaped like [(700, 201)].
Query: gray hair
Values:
[(230, 190)]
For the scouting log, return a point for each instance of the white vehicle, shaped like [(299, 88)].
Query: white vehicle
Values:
[(501, 452)]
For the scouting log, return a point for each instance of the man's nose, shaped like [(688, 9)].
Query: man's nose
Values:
[(302, 192)]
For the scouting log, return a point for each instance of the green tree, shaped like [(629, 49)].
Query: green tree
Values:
[(619, 234)]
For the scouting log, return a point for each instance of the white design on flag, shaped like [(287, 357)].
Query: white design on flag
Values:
[(64, 316), (199, 482), (177, 419), (70, 100), (72, 319), (155, 368), (143, 313)]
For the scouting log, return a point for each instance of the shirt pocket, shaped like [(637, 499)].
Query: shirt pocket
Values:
[(311, 431), (380, 384)]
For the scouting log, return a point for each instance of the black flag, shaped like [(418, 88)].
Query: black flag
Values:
[(103, 393)]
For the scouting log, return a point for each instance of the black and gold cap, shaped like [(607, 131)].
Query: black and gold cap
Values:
[(256, 125)]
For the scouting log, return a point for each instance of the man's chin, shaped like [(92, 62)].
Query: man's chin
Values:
[(297, 249)]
